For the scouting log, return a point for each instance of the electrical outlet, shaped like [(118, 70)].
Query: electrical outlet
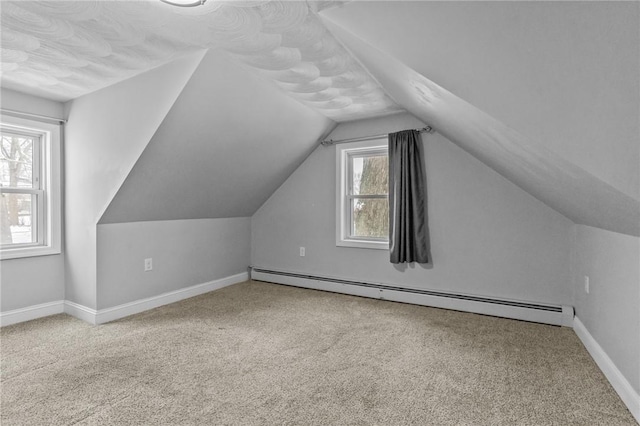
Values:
[(148, 264), (586, 284), (302, 252)]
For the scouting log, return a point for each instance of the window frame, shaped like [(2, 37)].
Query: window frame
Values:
[(47, 171), (344, 196)]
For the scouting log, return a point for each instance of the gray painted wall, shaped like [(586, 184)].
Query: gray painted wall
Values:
[(228, 142), (34, 280), (184, 253), (489, 237), (611, 309), (31, 281)]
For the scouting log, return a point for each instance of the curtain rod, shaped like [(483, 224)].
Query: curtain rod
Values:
[(34, 116), (427, 129)]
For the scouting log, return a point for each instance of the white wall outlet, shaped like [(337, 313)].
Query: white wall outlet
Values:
[(148, 264), (302, 252), (586, 284)]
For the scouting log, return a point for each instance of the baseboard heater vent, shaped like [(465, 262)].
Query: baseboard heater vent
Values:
[(536, 312)]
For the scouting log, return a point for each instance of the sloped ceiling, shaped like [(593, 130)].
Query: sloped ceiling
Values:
[(572, 191), (227, 144), (564, 74)]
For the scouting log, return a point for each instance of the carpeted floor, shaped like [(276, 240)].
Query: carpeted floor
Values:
[(257, 353)]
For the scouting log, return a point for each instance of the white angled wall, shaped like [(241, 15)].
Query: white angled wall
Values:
[(106, 133)]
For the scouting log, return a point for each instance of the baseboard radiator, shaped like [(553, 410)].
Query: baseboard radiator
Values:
[(527, 311)]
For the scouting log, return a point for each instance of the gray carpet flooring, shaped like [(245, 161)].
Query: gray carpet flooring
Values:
[(256, 353)]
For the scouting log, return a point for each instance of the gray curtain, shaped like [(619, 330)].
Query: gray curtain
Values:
[(408, 222)]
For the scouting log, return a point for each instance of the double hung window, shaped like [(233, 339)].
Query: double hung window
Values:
[(362, 195), (29, 188)]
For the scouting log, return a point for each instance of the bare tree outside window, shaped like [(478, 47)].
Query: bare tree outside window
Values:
[(362, 195), (371, 215), (17, 172)]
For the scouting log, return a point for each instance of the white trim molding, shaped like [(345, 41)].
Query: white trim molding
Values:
[(513, 309), (80, 311), (101, 316), (111, 314), (627, 393), (31, 312)]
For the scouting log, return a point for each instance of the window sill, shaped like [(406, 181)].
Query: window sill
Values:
[(19, 253), (376, 245)]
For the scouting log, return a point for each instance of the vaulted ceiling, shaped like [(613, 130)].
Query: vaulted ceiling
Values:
[(545, 93), (578, 194)]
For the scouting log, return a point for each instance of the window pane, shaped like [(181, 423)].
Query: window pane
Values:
[(16, 218), (370, 175), (370, 217), (16, 161)]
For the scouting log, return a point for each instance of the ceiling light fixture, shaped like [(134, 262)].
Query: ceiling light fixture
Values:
[(184, 3)]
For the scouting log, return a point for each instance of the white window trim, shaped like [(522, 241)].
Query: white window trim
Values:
[(343, 224), (50, 218)]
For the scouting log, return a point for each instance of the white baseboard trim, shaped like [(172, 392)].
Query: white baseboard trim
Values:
[(124, 310), (102, 316), (31, 312), (627, 393), (80, 311), (561, 316)]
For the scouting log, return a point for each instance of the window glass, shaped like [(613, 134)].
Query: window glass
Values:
[(16, 161), (18, 219), (370, 218), (370, 174)]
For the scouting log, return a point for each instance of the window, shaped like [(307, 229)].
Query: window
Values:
[(29, 188), (362, 218)]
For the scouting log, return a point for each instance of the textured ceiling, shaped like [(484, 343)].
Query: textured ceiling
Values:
[(64, 49)]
